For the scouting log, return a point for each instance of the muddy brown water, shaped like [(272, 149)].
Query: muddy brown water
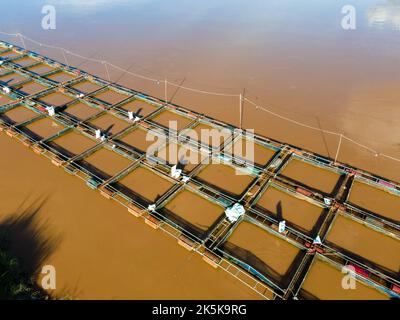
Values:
[(110, 124), (3, 71), (224, 177), (187, 158), (19, 114), (4, 100), (81, 111), (73, 143), (256, 153), (137, 139), (287, 207), (104, 252), (56, 99), (86, 86), (195, 209), (31, 88), (295, 69), (41, 69), (324, 282), (375, 200), (110, 96), (44, 128), (312, 176), (366, 242), (139, 108), (275, 252), (26, 61), (146, 184), (12, 78), (204, 133), (108, 161), (168, 118), (10, 54), (61, 77), (292, 64)]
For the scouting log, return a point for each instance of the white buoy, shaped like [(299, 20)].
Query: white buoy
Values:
[(175, 173), (98, 134), (317, 240), (235, 212), (6, 90), (51, 111), (282, 226)]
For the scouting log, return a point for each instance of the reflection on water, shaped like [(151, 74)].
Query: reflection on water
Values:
[(385, 15)]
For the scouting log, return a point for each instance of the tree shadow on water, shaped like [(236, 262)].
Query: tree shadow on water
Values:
[(25, 246), (279, 211)]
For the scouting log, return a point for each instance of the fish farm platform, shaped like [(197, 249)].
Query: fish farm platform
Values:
[(337, 217)]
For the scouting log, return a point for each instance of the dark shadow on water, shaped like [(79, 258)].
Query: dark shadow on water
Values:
[(108, 130), (25, 237), (7, 82), (279, 213), (182, 163), (138, 112), (323, 138)]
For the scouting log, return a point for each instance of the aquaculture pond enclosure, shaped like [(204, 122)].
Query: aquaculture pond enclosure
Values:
[(72, 144), (204, 213), (324, 281), (293, 208), (5, 100), (18, 114), (301, 217), (315, 177), (264, 251)]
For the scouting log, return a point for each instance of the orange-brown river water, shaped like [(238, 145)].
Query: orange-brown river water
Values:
[(291, 56)]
